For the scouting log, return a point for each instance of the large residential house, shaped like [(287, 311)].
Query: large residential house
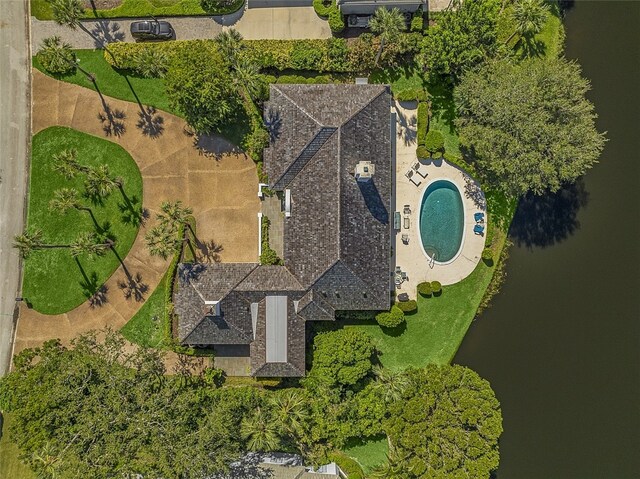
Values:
[(329, 163)]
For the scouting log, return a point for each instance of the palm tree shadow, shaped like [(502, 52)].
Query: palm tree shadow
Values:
[(150, 122), (105, 32), (209, 251), (530, 47), (134, 287), (132, 212), (95, 293), (545, 220)]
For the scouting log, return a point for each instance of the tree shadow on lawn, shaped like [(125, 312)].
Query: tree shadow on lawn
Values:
[(545, 220), (442, 104), (95, 293)]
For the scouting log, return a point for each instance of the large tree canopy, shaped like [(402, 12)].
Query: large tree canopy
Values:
[(445, 424), (528, 125), (461, 38), (199, 84), (97, 411)]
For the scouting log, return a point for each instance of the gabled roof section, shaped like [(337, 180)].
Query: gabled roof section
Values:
[(269, 278)]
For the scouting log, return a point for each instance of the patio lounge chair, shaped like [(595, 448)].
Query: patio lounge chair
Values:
[(405, 238), (407, 222), (416, 168), (404, 276), (409, 175), (478, 229), (479, 217)]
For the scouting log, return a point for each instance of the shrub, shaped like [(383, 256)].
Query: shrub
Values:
[(348, 465), (392, 318), (323, 7), (268, 255), (337, 55), (214, 376), (305, 57), (151, 62), (336, 21), (436, 287), (217, 6), (423, 122), (408, 306), (434, 141), (417, 22), (422, 153), (425, 289), (487, 255)]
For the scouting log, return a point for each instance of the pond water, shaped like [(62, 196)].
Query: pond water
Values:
[(561, 343)]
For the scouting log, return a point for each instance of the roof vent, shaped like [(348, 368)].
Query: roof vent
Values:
[(365, 171)]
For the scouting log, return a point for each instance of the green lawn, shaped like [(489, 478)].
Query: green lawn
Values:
[(370, 453), (54, 282), (111, 82), (434, 333), (143, 329), (10, 466), (400, 79), (138, 8)]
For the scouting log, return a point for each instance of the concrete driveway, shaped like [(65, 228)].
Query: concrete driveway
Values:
[(255, 23)]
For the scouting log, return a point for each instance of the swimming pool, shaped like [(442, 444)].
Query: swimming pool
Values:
[(441, 221)]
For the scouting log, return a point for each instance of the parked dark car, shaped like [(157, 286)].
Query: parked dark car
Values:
[(152, 30)]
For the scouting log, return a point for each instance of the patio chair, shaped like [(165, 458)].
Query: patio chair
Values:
[(407, 222), (416, 168), (479, 217), (398, 269), (409, 175), (402, 297), (478, 229), (407, 210), (404, 276), (405, 238)]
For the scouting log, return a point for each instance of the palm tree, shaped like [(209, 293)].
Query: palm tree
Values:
[(260, 432), (529, 16), (290, 410), (388, 24), (66, 163), (67, 12), (66, 199), (391, 385), (27, 242), (90, 244), (101, 183), (173, 214), (229, 43), (151, 62), (161, 242), (56, 56), (247, 77)]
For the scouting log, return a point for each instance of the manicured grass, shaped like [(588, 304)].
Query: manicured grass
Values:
[(54, 282), (434, 333), (114, 83), (370, 453), (443, 114), (143, 329), (139, 8), (10, 466), (400, 79)]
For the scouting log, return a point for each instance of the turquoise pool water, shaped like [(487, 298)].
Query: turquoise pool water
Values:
[(441, 220)]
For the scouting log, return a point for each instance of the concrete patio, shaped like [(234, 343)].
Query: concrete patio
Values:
[(410, 257)]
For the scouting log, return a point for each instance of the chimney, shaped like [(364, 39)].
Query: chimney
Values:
[(364, 171), (212, 308)]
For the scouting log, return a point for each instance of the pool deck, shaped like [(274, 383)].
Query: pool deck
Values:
[(410, 257)]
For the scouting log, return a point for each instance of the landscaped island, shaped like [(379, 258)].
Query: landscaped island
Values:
[(350, 356)]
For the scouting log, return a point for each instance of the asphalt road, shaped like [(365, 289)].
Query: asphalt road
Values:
[(15, 134)]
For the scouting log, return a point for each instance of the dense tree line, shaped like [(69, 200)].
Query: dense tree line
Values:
[(99, 409)]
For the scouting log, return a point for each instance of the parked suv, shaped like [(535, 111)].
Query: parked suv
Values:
[(152, 30)]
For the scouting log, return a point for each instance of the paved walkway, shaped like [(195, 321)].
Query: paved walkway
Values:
[(411, 257), (15, 137), (221, 189), (259, 23)]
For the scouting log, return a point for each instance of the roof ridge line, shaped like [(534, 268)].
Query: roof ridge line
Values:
[(297, 106)]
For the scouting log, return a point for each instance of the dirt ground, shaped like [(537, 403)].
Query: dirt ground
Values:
[(221, 189)]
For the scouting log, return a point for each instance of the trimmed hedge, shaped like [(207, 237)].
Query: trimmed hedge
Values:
[(425, 289), (287, 79), (434, 141), (392, 318), (423, 123), (322, 8), (412, 94), (417, 22), (436, 287), (347, 464), (408, 306), (487, 254), (268, 255), (330, 55), (422, 153), (336, 21)]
